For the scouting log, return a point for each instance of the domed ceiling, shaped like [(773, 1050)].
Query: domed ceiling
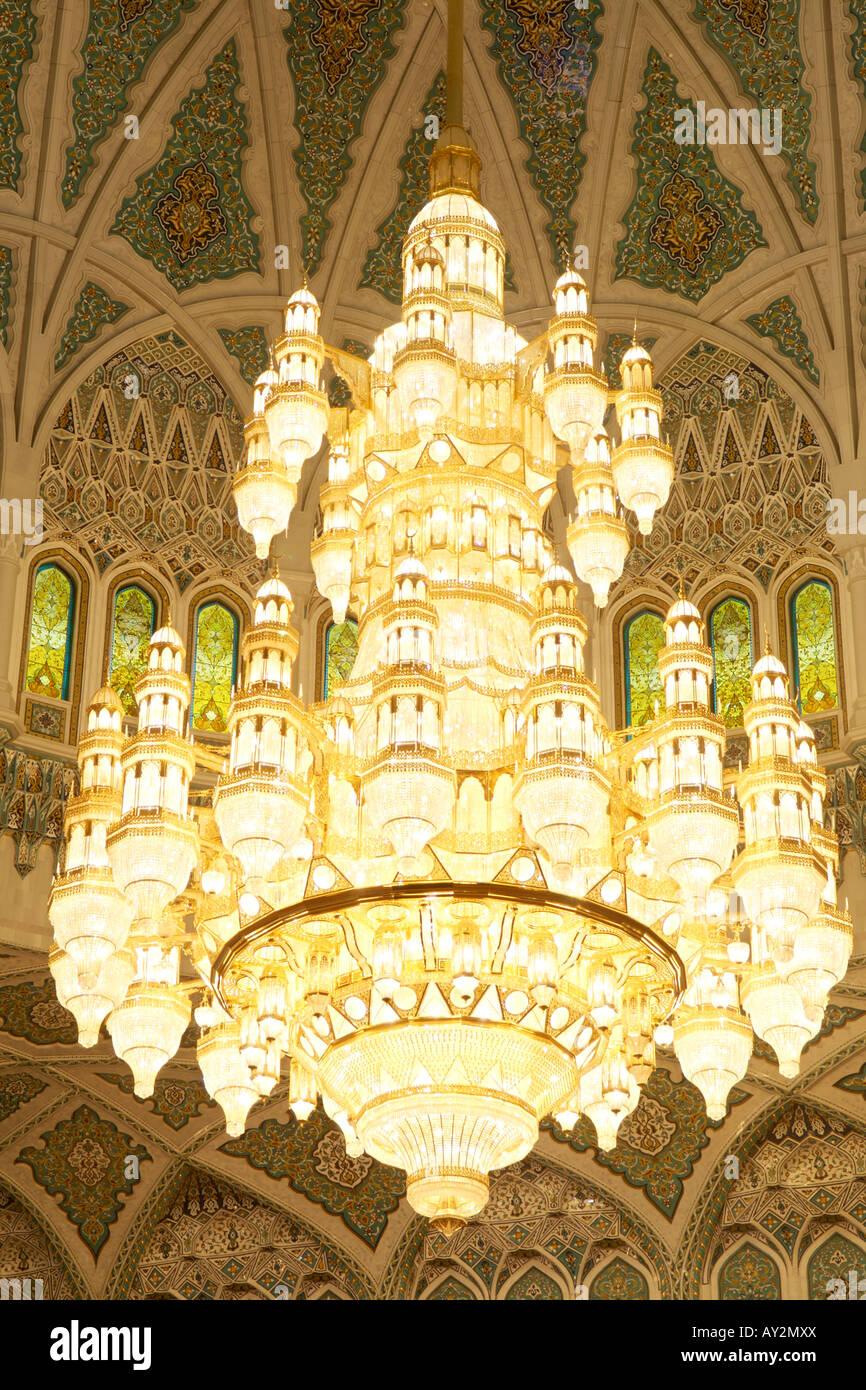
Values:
[(167, 165)]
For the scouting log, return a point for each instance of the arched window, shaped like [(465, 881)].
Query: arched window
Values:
[(731, 640), (51, 623), (214, 667), (341, 648), (749, 1274), (132, 624), (816, 672), (644, 636)]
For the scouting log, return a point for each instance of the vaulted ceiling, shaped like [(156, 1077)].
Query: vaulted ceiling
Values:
[(168, 165)]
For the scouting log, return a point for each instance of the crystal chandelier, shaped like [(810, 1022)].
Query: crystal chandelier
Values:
[(449, 901)]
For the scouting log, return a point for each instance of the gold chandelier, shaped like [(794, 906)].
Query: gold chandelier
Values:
[(449, 901)]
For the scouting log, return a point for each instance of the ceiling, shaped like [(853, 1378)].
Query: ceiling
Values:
[(171, 165)]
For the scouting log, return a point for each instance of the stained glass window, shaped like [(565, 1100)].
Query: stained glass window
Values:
[(50, 647), (644, 635), (731, 641), (815, 670), (134, 618), (214, 667), (341, 646)]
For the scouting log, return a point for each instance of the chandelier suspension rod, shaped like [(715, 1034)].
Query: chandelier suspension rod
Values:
[(454, 79)]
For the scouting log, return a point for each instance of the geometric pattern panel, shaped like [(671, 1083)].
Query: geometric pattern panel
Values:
[(749, 1274), (27, 1253), (750, 489), (546, 55), (140, 461), (213, 1241), (686, 226), (808, 1166), (762, 43), (119, 41), (33, 796), (337, 56), (189, 214)]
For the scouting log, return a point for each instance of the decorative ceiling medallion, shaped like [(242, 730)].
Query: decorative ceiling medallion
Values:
[(132, 9), (116, 50), (753, 15), (686, 226), (339, 35), (188, 216)]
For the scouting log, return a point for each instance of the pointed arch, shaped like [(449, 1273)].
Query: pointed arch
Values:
[(55, 624)]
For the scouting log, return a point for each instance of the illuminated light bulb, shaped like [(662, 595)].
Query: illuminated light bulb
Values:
[(213, 881), (738, 951), (542, 966), (146, 1030), (663, 1035), (272, 1006), (598, 538), (594, 1104), (248, 904), (643, 466), (713, 1045), (777, 1014), (225, 1074), (602, 994), (91, 1006), (302, 1092), (821, 953)]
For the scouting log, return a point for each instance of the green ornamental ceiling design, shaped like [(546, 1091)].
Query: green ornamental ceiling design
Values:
[(761, 39), (546, 54), (189, 214), (687, 225), (18, 27), (781, 322), (250, 346), (337, 56), (121, 38), (93, 309)]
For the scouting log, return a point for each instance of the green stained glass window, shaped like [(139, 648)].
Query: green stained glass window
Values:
[(815, 669), (644, 636), (214, 667), (731, 641), (50, 646), (341, 646), (134, 619)]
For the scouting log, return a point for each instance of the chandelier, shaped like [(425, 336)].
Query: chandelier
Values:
[(449, 901)]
